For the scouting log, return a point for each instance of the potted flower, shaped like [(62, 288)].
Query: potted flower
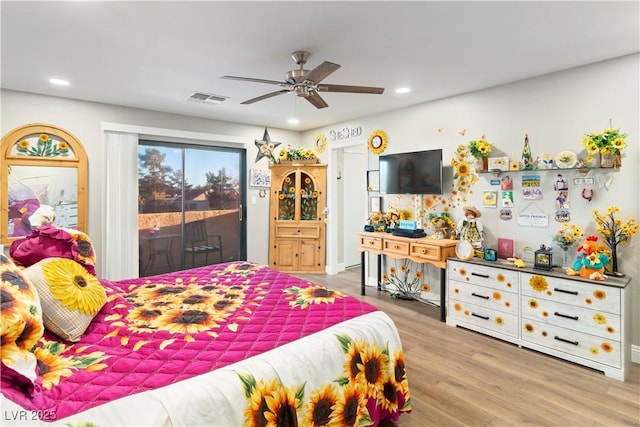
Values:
[(608, 144), (298, 155), (480, 149), (614, 232)]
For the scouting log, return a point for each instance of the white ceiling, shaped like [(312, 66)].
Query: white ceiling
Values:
[(153, 55)]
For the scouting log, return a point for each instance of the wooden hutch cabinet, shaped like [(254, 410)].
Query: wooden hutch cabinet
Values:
[(296, 226)]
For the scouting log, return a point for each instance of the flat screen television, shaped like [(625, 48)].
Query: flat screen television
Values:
[(418, 172)]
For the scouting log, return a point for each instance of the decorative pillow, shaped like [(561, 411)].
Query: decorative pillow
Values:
[(52, 242), (20, 325), (69, 295)]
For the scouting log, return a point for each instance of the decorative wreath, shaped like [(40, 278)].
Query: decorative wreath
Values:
[(320, 143), (378, 142)]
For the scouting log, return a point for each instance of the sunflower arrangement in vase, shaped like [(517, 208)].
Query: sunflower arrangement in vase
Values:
[(566, 237), (480, 149), (608, 144), (297, 154), (615, 232)]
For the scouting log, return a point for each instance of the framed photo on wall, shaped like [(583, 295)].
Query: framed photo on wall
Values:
[(373, 180), (375, 204)]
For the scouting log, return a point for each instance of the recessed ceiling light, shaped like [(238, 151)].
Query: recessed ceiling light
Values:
[(293, 121), (59, 82), (403, 90)]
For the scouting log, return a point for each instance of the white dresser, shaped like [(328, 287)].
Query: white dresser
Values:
[(583, 321)]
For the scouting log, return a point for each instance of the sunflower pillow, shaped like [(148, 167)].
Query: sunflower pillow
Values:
[(20, 325), (70, 296)]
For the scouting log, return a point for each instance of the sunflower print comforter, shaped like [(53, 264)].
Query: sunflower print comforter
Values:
[(234, 344)]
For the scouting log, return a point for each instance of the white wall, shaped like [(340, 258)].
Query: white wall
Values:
[(85, 119), (556, 110)]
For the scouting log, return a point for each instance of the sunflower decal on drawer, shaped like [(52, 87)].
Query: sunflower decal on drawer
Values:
[(538, 283)]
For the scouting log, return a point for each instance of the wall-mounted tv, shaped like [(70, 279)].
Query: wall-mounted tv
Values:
[(418, 172)]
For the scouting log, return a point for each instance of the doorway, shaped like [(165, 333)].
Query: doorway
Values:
[(354, 162), (183, 185)]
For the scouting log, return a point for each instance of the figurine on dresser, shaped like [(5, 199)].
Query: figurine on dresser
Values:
[(470, 229), (591, 261)]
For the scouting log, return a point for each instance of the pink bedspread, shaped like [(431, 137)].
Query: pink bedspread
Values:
[(159, 330)]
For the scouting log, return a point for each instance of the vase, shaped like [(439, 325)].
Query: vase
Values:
[(482, 164), (566, 263), (610, 160), (614, 262)]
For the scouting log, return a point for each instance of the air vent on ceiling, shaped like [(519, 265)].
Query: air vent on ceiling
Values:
[(206, 98)]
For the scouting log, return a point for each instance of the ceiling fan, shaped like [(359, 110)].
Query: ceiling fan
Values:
[(306, 84)]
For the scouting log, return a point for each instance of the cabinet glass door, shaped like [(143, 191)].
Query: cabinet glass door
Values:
[(308, 198), (287, 198)]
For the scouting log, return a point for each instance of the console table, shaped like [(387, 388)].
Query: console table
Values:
[(422, 250)]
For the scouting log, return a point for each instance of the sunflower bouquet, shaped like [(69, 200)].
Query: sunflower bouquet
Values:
[(299, 153), (568, 235), (480, 148), (609, 141), (614, 231)]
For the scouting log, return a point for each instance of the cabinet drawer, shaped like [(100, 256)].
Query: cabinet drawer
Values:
[(593, 296), (602, 324), (483, 317), (297, 231), (586, 346), (396, 247), (371, 243), (492, 277), (492, 299), (427, 252)]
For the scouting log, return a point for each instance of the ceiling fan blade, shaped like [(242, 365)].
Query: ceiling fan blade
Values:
[(321, 72), (266, 96), (350, 89), (317, 101), (250, 79)]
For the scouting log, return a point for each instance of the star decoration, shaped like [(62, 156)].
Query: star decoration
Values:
[(266, 147)]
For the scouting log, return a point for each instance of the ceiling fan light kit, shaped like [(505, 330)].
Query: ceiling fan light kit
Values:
[(306, 84)]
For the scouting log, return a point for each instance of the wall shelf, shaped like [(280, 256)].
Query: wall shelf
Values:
[(581, 170)]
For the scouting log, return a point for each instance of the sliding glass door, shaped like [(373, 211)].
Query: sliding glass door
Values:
[(190, 206)]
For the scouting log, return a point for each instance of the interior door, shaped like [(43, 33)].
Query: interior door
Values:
[(354, 201)]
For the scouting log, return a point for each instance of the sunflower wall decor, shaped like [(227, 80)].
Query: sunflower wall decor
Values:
[(378, 141), (320, 143)]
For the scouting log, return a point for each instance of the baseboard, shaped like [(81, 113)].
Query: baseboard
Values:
[(635, 353)]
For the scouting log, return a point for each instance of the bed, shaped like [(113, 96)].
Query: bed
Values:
[(224, 345)]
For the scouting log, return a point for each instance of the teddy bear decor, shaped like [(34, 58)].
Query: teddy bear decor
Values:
[(591, 260)]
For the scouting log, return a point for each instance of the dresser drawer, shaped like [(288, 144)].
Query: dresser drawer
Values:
[(586, 346), (593, 296), (297, 231), (602, 324), (427, 252), (371, 243), (395, 247), (492, 277), (483, 317), (490, 298)]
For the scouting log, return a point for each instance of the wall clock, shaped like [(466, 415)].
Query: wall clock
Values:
[(320, 143), (378, 142)]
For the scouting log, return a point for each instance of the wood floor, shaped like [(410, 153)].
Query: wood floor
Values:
[(460, 378)]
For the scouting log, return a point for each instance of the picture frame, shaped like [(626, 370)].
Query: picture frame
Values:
[(375, 204), (260, 178), (373, 180), (514, 165), (498, 163)]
